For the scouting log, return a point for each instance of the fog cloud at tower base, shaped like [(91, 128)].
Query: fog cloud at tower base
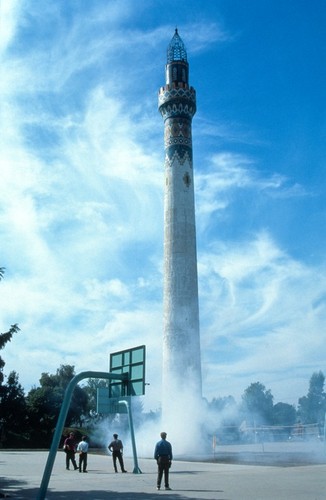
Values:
[(183, 421), (183, 409)]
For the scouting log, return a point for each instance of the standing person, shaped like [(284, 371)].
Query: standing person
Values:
[(82, 448), (116, 447), (163, 456), (69, 447)]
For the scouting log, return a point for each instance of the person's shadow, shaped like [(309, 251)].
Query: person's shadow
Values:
[(12, 488)]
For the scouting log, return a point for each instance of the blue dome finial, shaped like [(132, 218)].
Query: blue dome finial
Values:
[(176, 49)]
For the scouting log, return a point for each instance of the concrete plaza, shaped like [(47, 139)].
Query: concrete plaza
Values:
[(21, 473)]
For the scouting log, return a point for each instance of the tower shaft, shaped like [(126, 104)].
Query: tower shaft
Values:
[(181, 340)]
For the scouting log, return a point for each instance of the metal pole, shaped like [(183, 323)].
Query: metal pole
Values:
[(325, 434), (132, 434), (61, 422)]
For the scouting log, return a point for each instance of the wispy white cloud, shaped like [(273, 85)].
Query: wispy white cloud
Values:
[(262, 319), (227, 174), (8, 22)]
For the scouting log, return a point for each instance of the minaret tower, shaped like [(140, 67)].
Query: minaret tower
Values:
[(181, 342)]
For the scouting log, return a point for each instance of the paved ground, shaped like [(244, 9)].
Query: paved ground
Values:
[(21, 473)]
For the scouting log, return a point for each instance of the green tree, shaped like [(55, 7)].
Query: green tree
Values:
[(13, 412), (44, 404), (11, 394), (284, 414), (91, 390), (5, 337), (284, 417), (311, 408), (257, 404)]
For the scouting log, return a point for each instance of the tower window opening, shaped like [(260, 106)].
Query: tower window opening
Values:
[(186, 179)]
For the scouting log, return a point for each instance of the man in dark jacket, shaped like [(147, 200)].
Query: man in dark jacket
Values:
[(163, 456), (70, 448), (116, 447)]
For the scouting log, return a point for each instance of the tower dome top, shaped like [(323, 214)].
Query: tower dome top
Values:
[(176, 49)]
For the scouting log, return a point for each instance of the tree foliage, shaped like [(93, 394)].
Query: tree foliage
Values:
[(44, 404), (257, 404), (91, 390), (312, 407), (12, 411), (5, 337), (284, 414)]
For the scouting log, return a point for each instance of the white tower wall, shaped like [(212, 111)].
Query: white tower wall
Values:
[(181, 339)]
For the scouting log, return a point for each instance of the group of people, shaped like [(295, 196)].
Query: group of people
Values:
[(71, 448), (162, 454)]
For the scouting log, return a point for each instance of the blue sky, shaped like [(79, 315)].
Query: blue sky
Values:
[(81, 218)]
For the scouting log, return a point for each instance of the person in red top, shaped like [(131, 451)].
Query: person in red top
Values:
[(70, 448)]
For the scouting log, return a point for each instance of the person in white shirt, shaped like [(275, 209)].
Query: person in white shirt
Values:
[(82, 449)]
